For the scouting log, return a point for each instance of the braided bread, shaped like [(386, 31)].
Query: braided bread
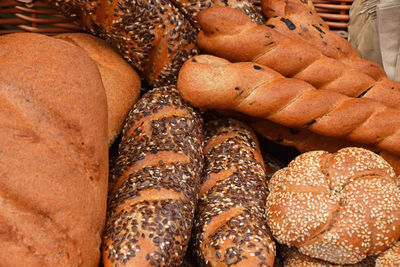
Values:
[(210, 82), (155, 182), (230, 226), (298, 20), (339, 207), (390, 257), (228, 33)]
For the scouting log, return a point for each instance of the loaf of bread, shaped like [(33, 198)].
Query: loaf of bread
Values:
[(210, 82), (390, 257), (228, 33), (53, 153), (295, 259), (299, 20), (230, 226), (120, 80), (339, 207), (154, 183)]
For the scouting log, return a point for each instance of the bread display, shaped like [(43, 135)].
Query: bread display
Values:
[(230, 226), (53, 153), (120, 80), (390, 257), (339, 207), (228, 33), (155, 183), (209, 82)]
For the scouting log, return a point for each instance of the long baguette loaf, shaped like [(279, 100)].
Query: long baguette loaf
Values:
[(228, 33), (155, 183), (255, 90), (230, 225), (299, 20)]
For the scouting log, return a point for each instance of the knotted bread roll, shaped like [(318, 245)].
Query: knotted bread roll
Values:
[(339, 207)]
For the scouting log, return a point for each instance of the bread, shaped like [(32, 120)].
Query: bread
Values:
[(209, 82), (230, 226), (54, 157), (296, 259), (120, 80), (228, 33), (152, 35), (390, 257), (155, 183), (339, 207), (299, 20)]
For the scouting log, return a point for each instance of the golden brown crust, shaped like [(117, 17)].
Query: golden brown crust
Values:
[(230, 227), (299, 20), (339, 207), (155, 181), (228, 33), (120, 80), (390, 257), (256, 90), (54, 158)]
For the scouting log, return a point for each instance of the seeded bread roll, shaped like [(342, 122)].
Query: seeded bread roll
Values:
[(152, 35), (209, 82), (299, 20), (53, 153), (121, 82), (230, 226), (155, 183), (339, 207), (390, 257), (295, 259), (228, 33)]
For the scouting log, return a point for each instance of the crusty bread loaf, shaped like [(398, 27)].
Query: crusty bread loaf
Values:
[(390, 257), (339, 207), (299, 20), (228, 33), (53, 153), (210, 82), (120, 80), (152, 35), (230, 226), (295, 259), (155, 183)]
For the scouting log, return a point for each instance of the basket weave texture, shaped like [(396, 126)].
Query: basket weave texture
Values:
[(36, 16), (32, 16)]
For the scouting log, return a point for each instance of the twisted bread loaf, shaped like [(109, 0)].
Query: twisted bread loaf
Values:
[(390, 257), (228, 33), (299, 20), (338, 207), (155, 183), (230, 226), (210, 82)]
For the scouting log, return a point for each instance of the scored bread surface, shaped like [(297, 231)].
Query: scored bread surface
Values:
[(155, 182)]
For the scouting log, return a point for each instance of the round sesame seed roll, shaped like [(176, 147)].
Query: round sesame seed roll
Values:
[(230, 226), (296, 259), (151, 34), (154, 183), (339, 207), (390, 257)]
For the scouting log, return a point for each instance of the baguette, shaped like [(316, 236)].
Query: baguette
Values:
[(155, 182), (299, 20), (228, 33), (230, 226), (255, 90)]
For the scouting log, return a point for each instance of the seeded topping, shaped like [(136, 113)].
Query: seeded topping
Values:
[(338, 207), (151, 206), (230, 226), (390, 257)]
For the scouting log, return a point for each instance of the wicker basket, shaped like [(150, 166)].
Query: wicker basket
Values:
[(32, 16), (35, 16)]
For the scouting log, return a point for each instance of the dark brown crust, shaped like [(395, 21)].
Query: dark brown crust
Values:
[(230, 226), (155, 182)]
